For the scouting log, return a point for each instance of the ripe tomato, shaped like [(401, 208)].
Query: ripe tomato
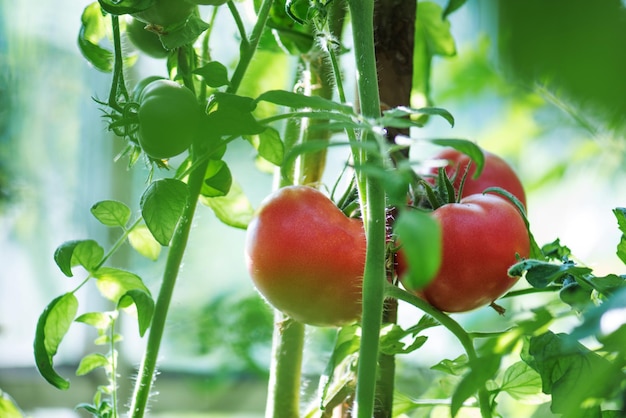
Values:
[(146, 41), (306, 258), (169, 119), (166, 12), (481, 236), (496, 173)]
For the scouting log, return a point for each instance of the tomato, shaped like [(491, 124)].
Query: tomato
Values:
[(169, 119), (146, 41), (496, 173), (166, 12), (306, 258), (481, 236)]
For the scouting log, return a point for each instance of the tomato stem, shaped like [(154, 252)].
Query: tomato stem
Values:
[(373, 205)]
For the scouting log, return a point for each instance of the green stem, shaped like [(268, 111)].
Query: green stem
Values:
[(362, 13), (248, 48), (117, 86), (174, 259)]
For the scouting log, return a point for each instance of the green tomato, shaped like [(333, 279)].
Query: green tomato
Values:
[(146, 41), (166, 12), (169, 119)]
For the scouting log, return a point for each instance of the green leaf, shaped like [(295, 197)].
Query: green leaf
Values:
[(111, 213), (99, 320), (482, 369), (8, 407), (91, 362), (452, 6), (455, 367), (214, 74), (466, 147), (521, 381), (144, 305), (292, 37), (187, 33), (142, 240), (301, 101), (92, 31), (114, 283), (85, 253), (162, 205), (541, 274), (391, 340), (402, 112), (231, 115), (52, 326), (271, 147), (234, 209), (217, 179), (620, 214), (123, 7), (420, 237), (346, 345)]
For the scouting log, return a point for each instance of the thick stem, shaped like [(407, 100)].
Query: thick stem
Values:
[(174, 259), (362, 12)]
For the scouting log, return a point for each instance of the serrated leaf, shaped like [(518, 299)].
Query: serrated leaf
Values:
[(8, 407), (111, 213), (234, 209), (91, 362), (114, 283), (162, 206), (85, 253), (187, 33), (144, 305), (99, 320), (214, 74), (92, 31), (455, 367), (391, 343), (420, 237), (520, 381), (541, 274), (301, 101), (271, 147), (52, 326), (142, 240), (217, 179)]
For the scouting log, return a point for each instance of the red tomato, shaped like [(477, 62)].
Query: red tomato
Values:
[(306, 257), (481, 237), (496, 173)]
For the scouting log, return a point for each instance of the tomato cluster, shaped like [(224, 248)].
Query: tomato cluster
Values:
[(306, 257)]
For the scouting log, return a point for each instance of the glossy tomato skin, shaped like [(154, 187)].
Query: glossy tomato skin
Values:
[(169, 119), (481, 237), (306, 258), (146, 41), (496, 173), (166, 12)]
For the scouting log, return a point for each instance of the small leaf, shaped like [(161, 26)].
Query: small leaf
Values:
[(111, 213), (541, 274), (114, 283), (452, 6), (85, 253), (391, 340), (92, 31), (142, 240), (91, 362), (271, 147), (455, 367), (520, 381), (466, 147), (8, 407), (214, 74), (217, 179), (404, 112), (620, 214), (178, 36), (420, 237), (301, 101), (234, 209), (99, 320), (144, 306), (162, 205), (52, 326), (435, 30)]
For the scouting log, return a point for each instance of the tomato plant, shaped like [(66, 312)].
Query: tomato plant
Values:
[(482, 236), (146, 41), (169, 118), (306, 257), (496, 172)]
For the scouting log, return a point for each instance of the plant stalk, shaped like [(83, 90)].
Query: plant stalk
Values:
[(374, 277)]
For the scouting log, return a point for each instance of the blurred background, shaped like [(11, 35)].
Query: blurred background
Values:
[(540, 84)]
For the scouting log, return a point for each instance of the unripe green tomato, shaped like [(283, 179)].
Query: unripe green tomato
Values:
[(146, 41), (141, 86), (169, 119), (166, 12)]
